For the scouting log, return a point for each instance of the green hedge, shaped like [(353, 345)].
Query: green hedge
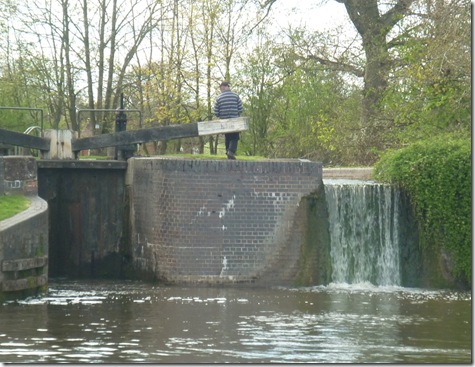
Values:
[(436, 173)]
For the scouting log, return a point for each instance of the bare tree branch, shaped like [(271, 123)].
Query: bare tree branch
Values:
[(337, 65), (267, 4)]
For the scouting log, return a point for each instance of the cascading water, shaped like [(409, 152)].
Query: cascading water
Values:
[(364, 232)]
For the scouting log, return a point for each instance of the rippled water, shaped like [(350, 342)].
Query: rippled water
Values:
[(127, 322)]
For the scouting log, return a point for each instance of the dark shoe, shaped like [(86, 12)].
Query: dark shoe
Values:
[(231, 155)]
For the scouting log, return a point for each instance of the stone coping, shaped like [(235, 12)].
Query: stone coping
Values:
[(351, 173), (83, 164)]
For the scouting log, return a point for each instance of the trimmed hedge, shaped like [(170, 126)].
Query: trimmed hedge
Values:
[(436, 173)]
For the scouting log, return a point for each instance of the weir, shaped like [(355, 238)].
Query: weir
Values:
[(364, 226), (373, 235)]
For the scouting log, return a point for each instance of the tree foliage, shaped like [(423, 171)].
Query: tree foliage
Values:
[(430, 88)]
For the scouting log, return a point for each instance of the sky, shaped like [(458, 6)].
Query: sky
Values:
[(312, 13)]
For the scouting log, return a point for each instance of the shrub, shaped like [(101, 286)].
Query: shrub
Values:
[(436, 173)]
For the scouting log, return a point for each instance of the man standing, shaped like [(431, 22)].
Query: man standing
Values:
[(228, 105)]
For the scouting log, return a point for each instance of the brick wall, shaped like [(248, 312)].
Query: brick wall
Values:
[(18, 175), (218, 221)]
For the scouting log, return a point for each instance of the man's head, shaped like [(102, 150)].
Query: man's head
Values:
[(224, 86)]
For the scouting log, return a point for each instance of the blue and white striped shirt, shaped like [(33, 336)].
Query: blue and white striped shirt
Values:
[(228, 105)]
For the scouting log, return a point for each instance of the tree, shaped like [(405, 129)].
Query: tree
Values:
[(20, 93), (130, 24), (374, 20), (429, 89), (374, 26), (260, 77), (90, 47), (308, 116), (66, 48), (297, 108), (198, 46), (220, 30)]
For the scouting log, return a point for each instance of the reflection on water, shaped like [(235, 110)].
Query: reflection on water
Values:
[(127, 322)]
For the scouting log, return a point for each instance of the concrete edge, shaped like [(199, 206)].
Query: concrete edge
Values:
[(356, 173), (37, 206)]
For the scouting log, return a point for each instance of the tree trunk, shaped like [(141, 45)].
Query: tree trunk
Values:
[(87, 56), (69, 73), (375, 84), (373, 27)]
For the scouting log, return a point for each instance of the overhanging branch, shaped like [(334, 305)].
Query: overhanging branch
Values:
[(337, 66)]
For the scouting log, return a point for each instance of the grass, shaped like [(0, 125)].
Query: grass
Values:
[(192, 156), (215, 156), (11, 205), (221, 155)]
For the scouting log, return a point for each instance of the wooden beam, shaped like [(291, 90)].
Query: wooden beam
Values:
[(190, 130), (223, 126), (29, 283), (24, 264), (24, 140), (137, 136)]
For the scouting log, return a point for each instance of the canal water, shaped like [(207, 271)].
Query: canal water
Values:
[(364, 316), (131, 322)]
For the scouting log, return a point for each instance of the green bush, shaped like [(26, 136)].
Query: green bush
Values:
[(436, 173)]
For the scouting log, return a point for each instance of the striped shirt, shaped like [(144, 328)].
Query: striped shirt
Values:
[(228, 105)]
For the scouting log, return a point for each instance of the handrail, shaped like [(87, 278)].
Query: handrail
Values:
[(32, 128)]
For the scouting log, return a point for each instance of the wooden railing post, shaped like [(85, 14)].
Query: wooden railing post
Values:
[(60, 144)]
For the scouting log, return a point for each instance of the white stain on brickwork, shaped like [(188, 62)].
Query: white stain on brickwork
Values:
[(225, 266), (201, 211), (229, 205)]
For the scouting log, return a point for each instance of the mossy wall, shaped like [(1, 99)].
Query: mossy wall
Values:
[(315, 261)]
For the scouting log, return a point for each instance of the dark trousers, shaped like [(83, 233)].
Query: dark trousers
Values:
[(231, 142)]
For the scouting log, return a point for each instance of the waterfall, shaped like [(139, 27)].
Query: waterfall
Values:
[(364, 232)]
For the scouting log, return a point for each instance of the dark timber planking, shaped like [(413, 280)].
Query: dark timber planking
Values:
[(161, 133), (24, 140), (137, 136), (125, 138)]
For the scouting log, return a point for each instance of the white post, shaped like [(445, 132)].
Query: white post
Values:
[(60, 144)]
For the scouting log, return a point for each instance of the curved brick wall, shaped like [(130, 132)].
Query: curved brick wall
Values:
[(218, 221)]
